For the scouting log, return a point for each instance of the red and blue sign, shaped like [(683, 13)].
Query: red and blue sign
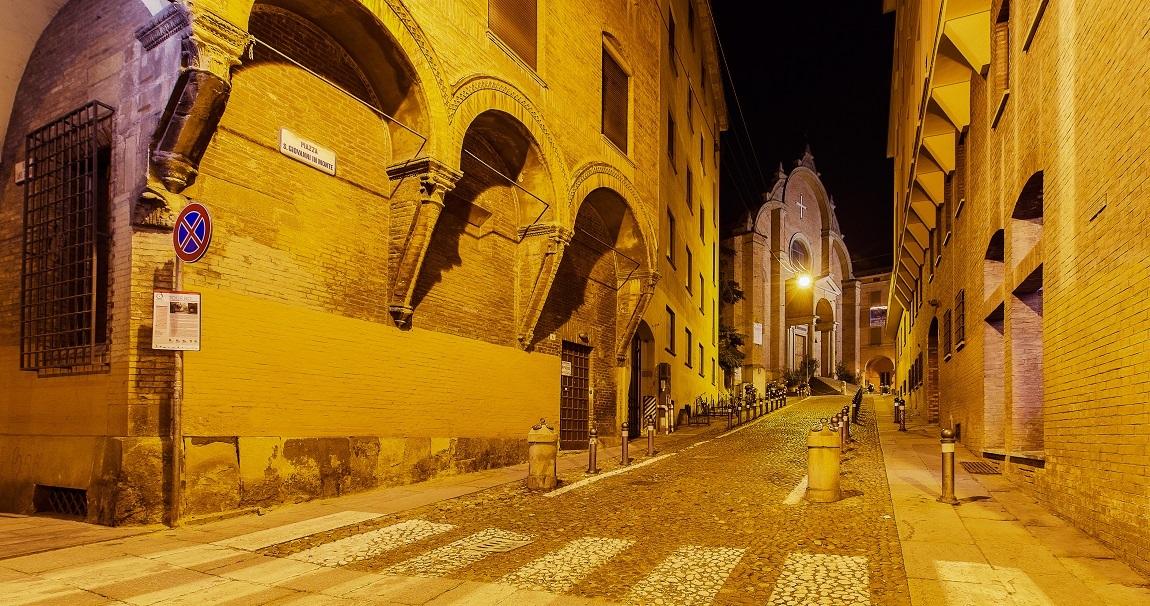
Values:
[(192, 233)]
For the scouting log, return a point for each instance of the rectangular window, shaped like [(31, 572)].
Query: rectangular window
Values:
[(702, 223), (687, 360), (615, 101), (876, 336), (713, 365), (938, 228), (671, 38), (690, 110), (960, 319), (671, 334), (67, 224), (1002, 49), (702, 290), (516, 23), (690, 268), (959, 176), (702, 158), (671, 138), (875, 298), (691, 23), (715, 323), (702, 353), (946, 335), (671, 238), (690, 191)]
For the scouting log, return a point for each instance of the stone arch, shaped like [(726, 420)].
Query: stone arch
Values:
[(839, 250), (878, 368), (478, 94), (993, 264), (802, 239), (1026, 219), (594, 176), (812, 180), (395, 58)]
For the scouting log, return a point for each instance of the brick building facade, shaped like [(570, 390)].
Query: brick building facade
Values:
[(1018, 297), (876, 346), (801, 296), (519, 200)]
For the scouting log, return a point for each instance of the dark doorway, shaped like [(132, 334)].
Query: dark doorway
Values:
[(574, 401)]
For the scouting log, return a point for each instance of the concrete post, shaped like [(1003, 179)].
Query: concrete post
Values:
[(823, 459), (542, 457)]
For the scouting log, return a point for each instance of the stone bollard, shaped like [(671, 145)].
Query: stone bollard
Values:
[(948, 468), (823, 456), (542, 455), (593, 452)]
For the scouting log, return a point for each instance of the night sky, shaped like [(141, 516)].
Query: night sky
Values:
[(814, 72)]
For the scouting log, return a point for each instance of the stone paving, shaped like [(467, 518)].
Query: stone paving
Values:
[(679, 522), (370, 544), (816, 578)]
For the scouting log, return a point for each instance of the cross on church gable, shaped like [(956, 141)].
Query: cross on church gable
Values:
[(801, 206)]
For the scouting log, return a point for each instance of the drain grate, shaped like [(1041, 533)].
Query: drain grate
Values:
[(55, 499), (500, 541), (980, 468)]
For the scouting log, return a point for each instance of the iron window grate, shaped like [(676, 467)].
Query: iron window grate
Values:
[(64, 235), (66, 501)]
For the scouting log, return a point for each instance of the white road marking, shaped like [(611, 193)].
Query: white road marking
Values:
[(560, 570), (691, 576), (593, 479), (370, 544), (797, 494), (271, 572), (809, 577), (127, 568), (32, 590), (464, 552), (255, 541), (972, 583), (196, 555)]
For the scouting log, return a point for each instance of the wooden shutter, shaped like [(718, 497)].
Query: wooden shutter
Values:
[(615, 102), (516, 23)]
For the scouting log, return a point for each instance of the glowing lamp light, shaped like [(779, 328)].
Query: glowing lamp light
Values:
[(804, 281)]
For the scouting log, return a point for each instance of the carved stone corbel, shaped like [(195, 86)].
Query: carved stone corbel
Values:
[(634, 299), (541, 251), (211, 47), (435, 180)]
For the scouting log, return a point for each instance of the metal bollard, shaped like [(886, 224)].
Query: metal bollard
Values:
[(837, 425), (593, 452), (847, 423), (651, 436), (729, 413), (901, 414), (948, 468), (625, 460)]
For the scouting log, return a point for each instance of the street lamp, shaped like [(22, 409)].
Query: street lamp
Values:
[(804, 281)]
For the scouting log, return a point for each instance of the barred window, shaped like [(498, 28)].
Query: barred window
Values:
[(946, 335), (615, 101), (959, 320), (516, 23), (64, 289)]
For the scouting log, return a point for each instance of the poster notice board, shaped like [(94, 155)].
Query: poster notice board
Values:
[(176, 321)]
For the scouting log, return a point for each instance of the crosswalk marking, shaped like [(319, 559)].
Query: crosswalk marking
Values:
[(370, 544), (127, 568), (254, 541), (271, 571), (31, 590), (196, 555), (691, 576), (810, 577), (560, 570), (461, 553)]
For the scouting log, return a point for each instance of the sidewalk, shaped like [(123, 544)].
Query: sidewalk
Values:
[(999, 546)]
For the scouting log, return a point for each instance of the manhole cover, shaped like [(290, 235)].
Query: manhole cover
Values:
[(980, 467)]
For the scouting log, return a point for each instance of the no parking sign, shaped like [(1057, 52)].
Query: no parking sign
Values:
[(192, 232)]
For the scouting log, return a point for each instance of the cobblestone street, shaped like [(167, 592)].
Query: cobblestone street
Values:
[(712, 519), (709, 523)]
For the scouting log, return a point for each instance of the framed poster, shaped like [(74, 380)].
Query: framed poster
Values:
[(176, 321)]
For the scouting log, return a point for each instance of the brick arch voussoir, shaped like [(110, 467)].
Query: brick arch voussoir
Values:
[(392, 16), (591, 177), (478, 94)]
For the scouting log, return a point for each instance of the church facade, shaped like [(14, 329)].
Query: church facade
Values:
[(801, 298)]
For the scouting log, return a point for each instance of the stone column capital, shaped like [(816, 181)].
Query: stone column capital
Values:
[(436, 178), (215, 44)]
